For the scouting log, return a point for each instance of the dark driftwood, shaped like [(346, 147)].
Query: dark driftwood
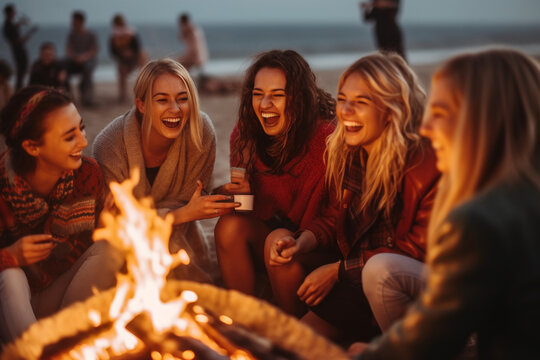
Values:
[(141, 326)]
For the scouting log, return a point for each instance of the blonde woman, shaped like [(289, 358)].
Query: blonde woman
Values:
[(173, 143), (484, 235), (382, 177)]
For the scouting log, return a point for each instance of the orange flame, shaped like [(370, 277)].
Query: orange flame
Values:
[(143, 236)]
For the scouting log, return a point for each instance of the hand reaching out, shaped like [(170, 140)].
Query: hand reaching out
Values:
[(204, 206)]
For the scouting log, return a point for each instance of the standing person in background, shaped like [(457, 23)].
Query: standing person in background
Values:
[(196, 54), (81, 53), (16, 42), (483, 268), (125, 48), (47, 70), (388, 34)]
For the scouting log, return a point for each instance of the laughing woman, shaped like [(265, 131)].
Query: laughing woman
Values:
[(50, 200), (173, 143), (284, 120), (383, 176), (483, 268)]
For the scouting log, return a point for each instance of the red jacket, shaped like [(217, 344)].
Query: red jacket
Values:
[(409, 235), (297, 193)]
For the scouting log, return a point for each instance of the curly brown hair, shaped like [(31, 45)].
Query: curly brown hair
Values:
[(306, 105)]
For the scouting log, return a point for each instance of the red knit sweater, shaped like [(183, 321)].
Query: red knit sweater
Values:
[(69, 214), (297, 193)]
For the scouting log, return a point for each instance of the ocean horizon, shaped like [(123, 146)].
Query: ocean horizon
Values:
[(324, 46)]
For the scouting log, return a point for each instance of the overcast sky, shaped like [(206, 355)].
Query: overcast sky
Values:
[(274, 11)]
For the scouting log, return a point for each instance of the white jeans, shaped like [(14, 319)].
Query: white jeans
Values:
[(391, 282), (19, 308)]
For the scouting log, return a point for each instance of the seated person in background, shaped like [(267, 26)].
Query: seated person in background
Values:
[(81, 53), (173, 143), (280, 137), (49, 205), (382, 179), (47, 70), (125, 48), (5, 87), (483, 268)]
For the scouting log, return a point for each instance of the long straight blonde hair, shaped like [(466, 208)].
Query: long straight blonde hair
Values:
[(143, 91), (497, 136), (395, 88)]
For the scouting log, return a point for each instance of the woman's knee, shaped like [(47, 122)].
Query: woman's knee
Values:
[(13, 281), (231, 230), (393, 271)]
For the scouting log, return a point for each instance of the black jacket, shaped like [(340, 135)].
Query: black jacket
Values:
[(483, 277)]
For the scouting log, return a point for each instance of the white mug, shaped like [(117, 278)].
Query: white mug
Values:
[(246, 202)]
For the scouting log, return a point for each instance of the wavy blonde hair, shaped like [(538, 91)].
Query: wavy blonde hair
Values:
[(395, 88), (497, 136), (143, 91)]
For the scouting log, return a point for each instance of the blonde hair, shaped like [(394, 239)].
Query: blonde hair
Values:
[(395, 88), (497, 136), (143, 91)]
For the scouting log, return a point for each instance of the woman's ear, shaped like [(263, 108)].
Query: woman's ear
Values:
[(31, 147), (140, 105)]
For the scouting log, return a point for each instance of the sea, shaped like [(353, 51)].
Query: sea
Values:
[(324, 46)]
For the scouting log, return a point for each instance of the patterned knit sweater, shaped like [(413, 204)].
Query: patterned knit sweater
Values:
[(69, 214)]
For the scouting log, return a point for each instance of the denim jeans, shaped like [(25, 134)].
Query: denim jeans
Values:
[(19, 308), (391, 283)]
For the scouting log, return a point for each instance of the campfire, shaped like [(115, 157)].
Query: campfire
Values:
[(147, 317)]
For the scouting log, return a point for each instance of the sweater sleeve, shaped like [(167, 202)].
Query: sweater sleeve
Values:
[(110, 154)]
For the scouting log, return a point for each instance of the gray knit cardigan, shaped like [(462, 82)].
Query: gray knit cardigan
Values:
[(118, 149)]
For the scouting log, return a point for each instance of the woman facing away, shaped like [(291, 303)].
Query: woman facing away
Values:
[(483, 260), (284, 119), (49, 205), (173, 143), (382, 179)]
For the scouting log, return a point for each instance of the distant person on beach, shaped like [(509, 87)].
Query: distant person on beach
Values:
[(125, 47), (5, 88), (47, 70), (482, 268), (195, 55), (51, 197), (279, 139), (382, 178), (173, 143), (12, 32), (81, 53), (388, 34)]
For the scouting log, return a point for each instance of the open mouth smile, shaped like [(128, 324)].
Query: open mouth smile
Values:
[(352, 126), (172, 122), (270, 119)]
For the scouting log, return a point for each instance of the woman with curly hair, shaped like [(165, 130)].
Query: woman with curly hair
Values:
[(283, 122), (382, 179)]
